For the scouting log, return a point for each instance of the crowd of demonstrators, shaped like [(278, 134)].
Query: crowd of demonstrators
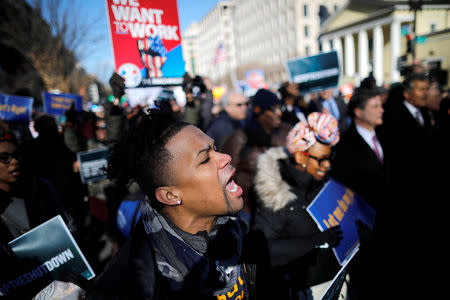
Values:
[(185, 193)]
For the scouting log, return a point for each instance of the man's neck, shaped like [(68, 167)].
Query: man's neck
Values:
[(365, 125), (188, 223)]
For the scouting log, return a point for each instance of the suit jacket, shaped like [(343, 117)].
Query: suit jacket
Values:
[(410, 144), (342, 106), (357, 167)]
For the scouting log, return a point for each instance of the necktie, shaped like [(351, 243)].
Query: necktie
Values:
[(418, 118), (375, 148)]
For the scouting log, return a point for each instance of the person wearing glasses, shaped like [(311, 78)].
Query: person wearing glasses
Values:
[(234, 111), (26, 201), (287, 179)]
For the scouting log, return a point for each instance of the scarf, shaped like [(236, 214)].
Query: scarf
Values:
[(187, 270)]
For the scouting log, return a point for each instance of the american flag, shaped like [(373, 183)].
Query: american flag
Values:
[(221, 54), (153, 55)]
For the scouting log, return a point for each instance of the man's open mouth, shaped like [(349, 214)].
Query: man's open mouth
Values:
[(233, 188)]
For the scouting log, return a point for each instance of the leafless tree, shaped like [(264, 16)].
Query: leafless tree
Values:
[(70, 23)]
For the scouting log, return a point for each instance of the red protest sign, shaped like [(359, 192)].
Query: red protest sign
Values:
[(146, 41)]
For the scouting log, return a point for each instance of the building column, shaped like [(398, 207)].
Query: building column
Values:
[(337, 45), (395, 50), (326, 46), (363, 54), (378, 47), (349, 55)]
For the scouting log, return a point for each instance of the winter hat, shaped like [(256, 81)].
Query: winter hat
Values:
[(320, 127), (264, 100)]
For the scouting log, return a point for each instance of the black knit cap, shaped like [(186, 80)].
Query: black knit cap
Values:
[(264, 100)]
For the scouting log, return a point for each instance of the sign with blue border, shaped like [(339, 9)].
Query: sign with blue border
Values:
[(338, 205), (15, 108)]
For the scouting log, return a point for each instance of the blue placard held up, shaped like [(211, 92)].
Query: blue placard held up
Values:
[(315, 73), (57, 104), (338, 205), (15, 108)]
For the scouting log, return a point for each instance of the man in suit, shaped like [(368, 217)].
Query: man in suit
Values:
[(361, 163), (416, 197), (408, 127), (360, 157), (335, 106)]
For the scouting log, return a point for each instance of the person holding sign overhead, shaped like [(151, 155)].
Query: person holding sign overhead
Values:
[(287, 179)]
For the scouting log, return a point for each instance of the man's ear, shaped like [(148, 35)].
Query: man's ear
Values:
[(167, 195), (357, 112), (406, 95)]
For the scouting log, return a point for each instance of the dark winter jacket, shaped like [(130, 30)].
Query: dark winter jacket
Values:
[(222, 128), (283, 194), (133, 274), (244, 146)]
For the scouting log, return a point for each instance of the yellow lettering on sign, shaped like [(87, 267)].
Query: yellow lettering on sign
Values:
[(332, 220), (230, 294), (342, 205), (338, 213)]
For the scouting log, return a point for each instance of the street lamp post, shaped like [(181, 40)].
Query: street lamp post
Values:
[(414, 5)]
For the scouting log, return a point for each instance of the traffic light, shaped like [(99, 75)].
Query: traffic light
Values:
[(410, 44)]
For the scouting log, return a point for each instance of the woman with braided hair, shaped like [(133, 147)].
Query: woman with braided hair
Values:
[(286, 181)]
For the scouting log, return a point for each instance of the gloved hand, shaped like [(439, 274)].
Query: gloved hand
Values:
[(364, 232), (329, 238)]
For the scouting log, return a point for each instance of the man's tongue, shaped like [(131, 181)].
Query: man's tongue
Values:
[(234, 189)]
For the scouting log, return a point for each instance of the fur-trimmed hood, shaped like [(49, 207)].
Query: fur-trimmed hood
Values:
[(272, 190)]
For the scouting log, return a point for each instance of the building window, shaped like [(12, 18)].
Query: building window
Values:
[(335, 8), (307, 50), (306, 31), (305, 10), (433, 27)]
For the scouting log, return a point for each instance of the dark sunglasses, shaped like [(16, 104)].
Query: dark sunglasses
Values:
[(319, 160), (6, 157)]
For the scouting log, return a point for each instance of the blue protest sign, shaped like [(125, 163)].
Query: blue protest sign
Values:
[(338, 205), (53, 251), (314, 73), (57, 104), (93, 164), (15, 108)]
